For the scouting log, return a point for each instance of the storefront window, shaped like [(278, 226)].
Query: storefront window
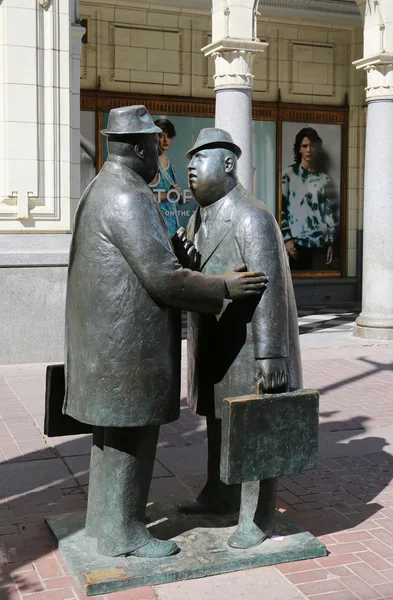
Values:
[(299, 169)]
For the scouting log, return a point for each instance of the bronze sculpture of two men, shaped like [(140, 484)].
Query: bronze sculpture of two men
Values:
[(125, 290)]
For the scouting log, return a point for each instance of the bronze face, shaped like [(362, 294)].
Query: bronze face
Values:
[(209, 173)]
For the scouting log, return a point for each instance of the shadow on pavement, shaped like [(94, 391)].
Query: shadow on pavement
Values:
[(340, 494), (377, 368)]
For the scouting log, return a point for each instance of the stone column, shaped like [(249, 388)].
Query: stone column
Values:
[(376, 318), (233, 48)]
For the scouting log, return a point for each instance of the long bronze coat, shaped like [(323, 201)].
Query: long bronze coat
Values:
[(222, 353), (125, 289)]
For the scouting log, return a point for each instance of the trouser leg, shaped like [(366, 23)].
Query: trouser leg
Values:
[(216, 496), (256, 517), (94, 502), (128, 462)]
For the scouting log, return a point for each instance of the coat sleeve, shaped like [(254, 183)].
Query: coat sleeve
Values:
[(263, 250), (138, 230)]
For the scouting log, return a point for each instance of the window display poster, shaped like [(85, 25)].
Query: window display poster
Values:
[(181, 203), (311, 195)]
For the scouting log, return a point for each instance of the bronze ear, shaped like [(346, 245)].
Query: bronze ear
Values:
[(140, 150)]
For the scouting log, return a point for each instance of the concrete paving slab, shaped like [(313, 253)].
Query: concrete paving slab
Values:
[(255, 584), (185, 460), (162, 488), (23, 477), (71, 445)]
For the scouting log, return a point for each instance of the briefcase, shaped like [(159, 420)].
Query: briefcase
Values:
[(269, 435), (56, 423)]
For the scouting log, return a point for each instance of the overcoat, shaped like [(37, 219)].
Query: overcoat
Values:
[(125, 288), (222, 350)]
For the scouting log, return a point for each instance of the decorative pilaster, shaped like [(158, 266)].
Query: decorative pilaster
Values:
[(77, 33), (376, 318), (39, 119), (233, 49)]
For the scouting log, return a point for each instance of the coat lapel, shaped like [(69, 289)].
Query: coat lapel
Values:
[(222, 224)]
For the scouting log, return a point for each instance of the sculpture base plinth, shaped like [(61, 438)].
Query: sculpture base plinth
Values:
[(202, 540)]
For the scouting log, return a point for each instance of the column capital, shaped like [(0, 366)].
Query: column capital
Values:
[(379, 69), (233, 61)]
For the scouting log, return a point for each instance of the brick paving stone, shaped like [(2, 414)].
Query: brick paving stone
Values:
[(48, 568), (352, 536), (384, 590), (339, 571), (58, 557), (60, 582), (28, 582), (375, 561), (345, 595), (336, 561), (14, 568), (326, 539), (307, 576), (348, 548), (12, 593), (302, 565), (68, 594), (367, 573), (321, 587), (360, 587), (388, 574), (379, 548)]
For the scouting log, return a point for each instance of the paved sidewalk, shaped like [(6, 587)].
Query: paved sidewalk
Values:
[(347, 502)]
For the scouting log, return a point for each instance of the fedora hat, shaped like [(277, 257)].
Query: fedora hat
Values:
[(211, 137), (128, 120)]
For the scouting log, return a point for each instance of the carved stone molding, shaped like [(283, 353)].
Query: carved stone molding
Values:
[(101, 101), (136, 76), (233, 61), (342, 8), (304, 56), (95, 100)]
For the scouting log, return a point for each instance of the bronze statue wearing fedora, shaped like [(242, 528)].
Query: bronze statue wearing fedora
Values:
[(253, 340), (124, 294)]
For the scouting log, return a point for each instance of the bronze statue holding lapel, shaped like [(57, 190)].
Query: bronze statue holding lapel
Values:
[(253, 340)]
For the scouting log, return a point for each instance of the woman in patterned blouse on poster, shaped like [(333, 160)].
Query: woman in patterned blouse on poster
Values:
[(166, 185)]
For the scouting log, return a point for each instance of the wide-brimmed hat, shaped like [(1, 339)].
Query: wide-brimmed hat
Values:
[(211, 137), (128, 120)]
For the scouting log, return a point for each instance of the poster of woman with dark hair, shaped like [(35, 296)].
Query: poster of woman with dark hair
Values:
[(166, 185), (309, 218)]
